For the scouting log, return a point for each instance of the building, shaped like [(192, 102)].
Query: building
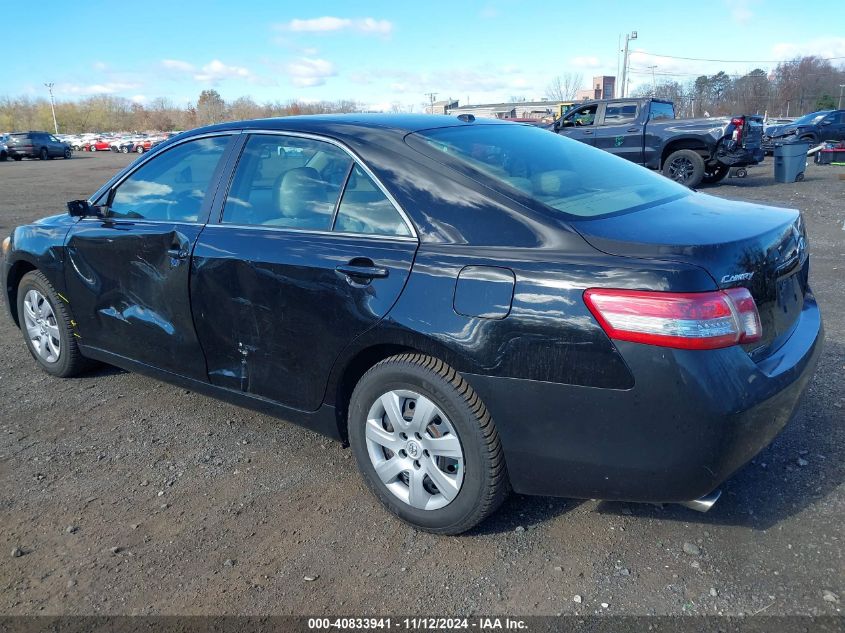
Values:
[(603, 87), (441, 107), (518, 110)]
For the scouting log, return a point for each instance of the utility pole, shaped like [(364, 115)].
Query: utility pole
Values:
[(628, 37), (431, 96), (49, 87), (841, 88), (653, 81)]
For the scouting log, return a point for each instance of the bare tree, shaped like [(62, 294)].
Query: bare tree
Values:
[(563, 87)]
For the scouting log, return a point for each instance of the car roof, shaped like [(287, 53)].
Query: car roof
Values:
[(397, 123)]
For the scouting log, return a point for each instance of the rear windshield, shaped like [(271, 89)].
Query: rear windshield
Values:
[(562, 174)]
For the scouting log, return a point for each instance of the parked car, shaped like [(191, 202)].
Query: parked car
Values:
[(33, 144), (474, 305), (4, 150), (97, 145), (825, 125), (645, 131)]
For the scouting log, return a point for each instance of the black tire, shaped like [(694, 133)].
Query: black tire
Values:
[(685, 166), (485, 483), (70, 361), (68, 153), (17, 158), (124, 149), (3, 156), (715, 174), (43, 154)]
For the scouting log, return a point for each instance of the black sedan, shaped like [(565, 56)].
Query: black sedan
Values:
[(474, 306)]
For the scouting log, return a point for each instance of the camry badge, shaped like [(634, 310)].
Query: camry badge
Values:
[(728, 279)]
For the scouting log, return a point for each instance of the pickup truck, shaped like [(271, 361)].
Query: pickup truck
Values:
[(645, 131)]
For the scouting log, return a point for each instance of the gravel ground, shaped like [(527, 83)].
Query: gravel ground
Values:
[(123, 495)]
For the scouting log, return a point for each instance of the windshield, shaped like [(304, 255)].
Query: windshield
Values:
[(811, 118), (563, 174)]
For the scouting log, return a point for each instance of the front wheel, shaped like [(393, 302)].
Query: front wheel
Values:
[(684, 166), (715, 174), (46, 324), (43, 153), (68, 153), (426, 444), (139, 149), (3, 156)]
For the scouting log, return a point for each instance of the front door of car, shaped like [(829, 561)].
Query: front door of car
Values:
[(618, 132), (579, 124), (127, 273), (309, 253), (832, 127)]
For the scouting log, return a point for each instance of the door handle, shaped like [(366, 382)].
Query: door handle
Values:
[(588, 131), (633, 129), (363, 272), (178, 253)]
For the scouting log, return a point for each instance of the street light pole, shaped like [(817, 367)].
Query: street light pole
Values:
[(49, 87), (628, 37)]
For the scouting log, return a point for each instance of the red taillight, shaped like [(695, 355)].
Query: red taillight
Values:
[(738, 124), (684, 320)]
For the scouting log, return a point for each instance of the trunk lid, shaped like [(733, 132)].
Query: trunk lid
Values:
[(757, 247)]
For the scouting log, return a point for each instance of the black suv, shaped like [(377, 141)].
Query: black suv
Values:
[(41, 145), (816, 127)]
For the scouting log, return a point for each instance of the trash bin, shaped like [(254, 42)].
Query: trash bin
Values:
[(790, 161)]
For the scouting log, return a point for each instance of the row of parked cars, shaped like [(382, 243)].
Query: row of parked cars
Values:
[(43, 145), (123, 143)]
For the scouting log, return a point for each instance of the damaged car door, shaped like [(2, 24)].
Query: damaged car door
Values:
[(310, 251), (128, 267)]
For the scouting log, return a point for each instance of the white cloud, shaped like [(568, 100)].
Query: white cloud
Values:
[(826, 46), (95, 89), (100, 66), (216, 71), (328, 24), (489, 12), (307, 72), (139, 98), (741, 12), (176, 64)]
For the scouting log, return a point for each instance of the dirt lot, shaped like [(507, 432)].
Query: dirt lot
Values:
[(129, 496)]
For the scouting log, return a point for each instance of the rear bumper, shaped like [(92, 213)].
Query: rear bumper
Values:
[(742, 157), (691, 420)]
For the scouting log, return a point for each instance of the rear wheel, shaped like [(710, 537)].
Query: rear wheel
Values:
[(714, 174), (684, 166), (426, 445), (139, 149), (3, 156), (124, 149), (46, 325), (17, 158), (43, 153)]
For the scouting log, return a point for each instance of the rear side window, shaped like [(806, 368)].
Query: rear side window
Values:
[(287, 181), (558, 172), (365, 209), (171, 186), (659, 111)]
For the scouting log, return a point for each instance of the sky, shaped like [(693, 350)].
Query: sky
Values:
[(392, 52)]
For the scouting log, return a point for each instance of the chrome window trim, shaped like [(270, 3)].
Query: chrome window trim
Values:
[(357, 160), (288, 229)]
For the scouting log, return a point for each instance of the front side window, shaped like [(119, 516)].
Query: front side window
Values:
[(287, 181), (171, 186), (365, 209), (584, 116), (556, 171)]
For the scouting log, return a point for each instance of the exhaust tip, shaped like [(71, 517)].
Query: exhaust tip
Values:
[(704, 503)]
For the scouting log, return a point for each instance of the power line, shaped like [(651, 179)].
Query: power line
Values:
[(733, 61)]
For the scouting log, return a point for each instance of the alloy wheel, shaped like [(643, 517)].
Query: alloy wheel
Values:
[(414, 449), (41, 326), (681, 168)]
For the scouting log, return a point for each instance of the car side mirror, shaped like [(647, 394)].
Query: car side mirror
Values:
[(82, 209)]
